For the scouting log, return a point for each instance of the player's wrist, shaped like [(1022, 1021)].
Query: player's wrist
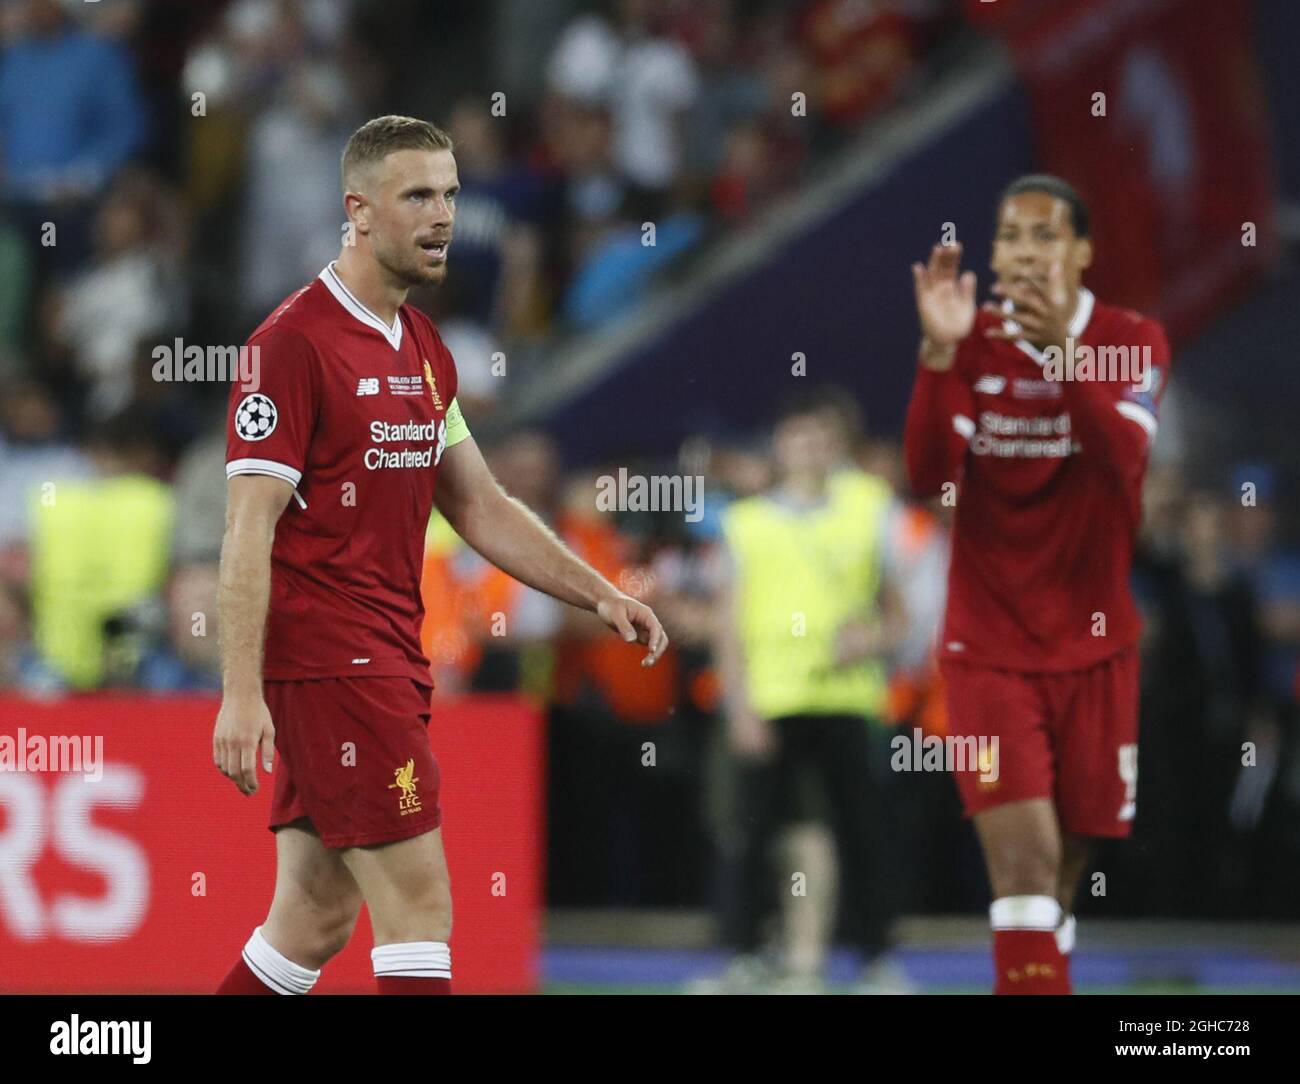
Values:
[(606, 592), (936, 356), (242, 691)]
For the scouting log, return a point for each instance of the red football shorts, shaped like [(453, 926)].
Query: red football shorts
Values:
[(354, 758), (1070, 737)]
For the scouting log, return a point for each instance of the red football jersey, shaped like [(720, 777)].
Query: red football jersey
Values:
[(1049, 485), (354, 414)]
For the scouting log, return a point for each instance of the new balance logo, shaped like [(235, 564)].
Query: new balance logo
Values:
[(991, 385), (368, 385)]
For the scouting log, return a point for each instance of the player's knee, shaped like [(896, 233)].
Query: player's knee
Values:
[(422, 916), (333, 936), (315, 933), (1024, 870)]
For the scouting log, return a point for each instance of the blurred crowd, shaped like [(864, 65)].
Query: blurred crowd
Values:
[(171, 171)]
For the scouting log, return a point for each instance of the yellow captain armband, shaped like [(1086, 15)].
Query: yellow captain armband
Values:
[(457, 430)]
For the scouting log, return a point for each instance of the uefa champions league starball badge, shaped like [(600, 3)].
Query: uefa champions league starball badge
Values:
[(255, 417)]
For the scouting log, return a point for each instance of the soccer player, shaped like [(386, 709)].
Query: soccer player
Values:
[(334, 464), (1039, 645)]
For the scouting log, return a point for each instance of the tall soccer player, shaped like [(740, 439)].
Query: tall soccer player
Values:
[(1037, 411), (334, 464)]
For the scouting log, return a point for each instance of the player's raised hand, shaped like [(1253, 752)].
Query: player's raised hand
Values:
[(945, 303), (1041, 315), (243, 725), (636, 623)]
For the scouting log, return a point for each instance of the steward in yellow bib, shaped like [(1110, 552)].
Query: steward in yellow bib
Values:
[(805, 621)]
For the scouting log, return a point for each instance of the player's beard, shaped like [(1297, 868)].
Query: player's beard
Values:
[(411, 268)]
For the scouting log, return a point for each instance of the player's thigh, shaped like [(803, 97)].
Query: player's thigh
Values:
[(1022, 847), (1001, 741), (1096, 743), (405, 884)]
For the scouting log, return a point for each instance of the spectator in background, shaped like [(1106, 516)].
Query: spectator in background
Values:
[(185, 654), (200, 493), (1202, 696), (99, 549), (764, 155), (182, 652), (603, 714), (293, 217), (1232, 702), (70, 116), (647, 81), (22, 670), (732, 89), (612, 255), (131, 294), (16, 265), (483, 629), (32, 453), (497, 242), (862, 51), (1273, 570), (585, 194)]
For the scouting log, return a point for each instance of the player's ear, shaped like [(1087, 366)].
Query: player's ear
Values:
[(1083, 253), (357, 208)]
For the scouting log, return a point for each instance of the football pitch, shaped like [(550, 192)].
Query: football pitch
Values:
[(951, 956)]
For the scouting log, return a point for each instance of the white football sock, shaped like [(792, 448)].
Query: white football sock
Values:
[(413, 960), (1065, 935), (1025, 913), (278, 972)]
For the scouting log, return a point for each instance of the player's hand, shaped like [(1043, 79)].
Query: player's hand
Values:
[(243, 726), (945, 304), (857, 640), (750, 737), (1041, 315), (636, 623)]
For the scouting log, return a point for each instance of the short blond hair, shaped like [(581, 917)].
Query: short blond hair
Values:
[(377, 138)]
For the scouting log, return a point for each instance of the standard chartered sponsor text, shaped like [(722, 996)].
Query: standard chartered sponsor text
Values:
[(1012, 436), (382, 432)]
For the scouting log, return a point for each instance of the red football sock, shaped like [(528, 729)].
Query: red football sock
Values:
[(1026, 957), (242, 980), (391, 984), (1028, 962), (262, 970)]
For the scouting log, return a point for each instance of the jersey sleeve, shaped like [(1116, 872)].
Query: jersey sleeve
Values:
[(1117, 421), (940, 423), (1140, 402), (269, 425), (457, 430)]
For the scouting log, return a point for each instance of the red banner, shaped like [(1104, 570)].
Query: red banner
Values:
[(149, 878), (1154, 111)]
